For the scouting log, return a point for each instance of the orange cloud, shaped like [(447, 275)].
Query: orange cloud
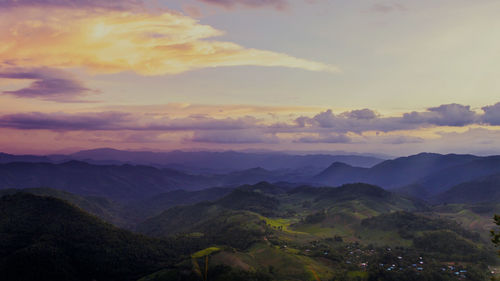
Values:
[(110, 41)]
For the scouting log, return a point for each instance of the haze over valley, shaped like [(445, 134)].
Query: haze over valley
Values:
[(420, 217), (249, 140)]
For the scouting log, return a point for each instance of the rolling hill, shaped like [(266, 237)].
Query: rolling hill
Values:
[(103, 208), (152, 206), (270, 201), (239, 229), (44, 238), (120, 182), (224, 162), (393, 173), (423, 175), (254, 232), (483, 189), (9, 158)]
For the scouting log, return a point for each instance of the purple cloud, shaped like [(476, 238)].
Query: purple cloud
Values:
[(325, 119), (64, 121), (456, 115), (116, 121), (108, 4), (49, 84), (491, 114), (361, 114), (230, 4), (324, 127), (356, 121)]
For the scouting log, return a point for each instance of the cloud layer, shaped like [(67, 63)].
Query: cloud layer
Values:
[(48, 84), (118, 121), (444, 115), (67, 34), (108, 4), (325, 127), (492, 114)]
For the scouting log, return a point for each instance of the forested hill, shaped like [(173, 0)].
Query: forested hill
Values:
[(120, 182), (256, 232), (423, 175), (45, 238)]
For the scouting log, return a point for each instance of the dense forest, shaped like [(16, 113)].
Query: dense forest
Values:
[(259, 232)]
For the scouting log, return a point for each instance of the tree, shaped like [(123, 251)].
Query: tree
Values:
[(495, 235)]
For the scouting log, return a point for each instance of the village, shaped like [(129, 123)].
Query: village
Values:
[(357, 258)]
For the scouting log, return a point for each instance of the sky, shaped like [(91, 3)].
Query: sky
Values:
[(361, 76)]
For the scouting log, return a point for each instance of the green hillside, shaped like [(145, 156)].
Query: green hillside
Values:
[(155, 205), (213, 223), (309, 233), (255, 232)]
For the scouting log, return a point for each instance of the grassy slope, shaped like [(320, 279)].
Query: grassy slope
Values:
[(295, 234), (476, 217), (286, 244)]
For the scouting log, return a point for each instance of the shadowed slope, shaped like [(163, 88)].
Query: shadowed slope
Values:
[(45, 238)]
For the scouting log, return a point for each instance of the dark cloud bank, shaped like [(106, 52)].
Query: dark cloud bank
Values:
[(48, 84), (104, 4), (324, 127)]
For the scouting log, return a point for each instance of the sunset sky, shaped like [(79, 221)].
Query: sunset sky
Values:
[(389, 77)]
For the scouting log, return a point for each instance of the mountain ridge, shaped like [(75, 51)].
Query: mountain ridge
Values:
[(424, 173)]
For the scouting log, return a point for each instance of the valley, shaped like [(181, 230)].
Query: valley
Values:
[(245, 229)]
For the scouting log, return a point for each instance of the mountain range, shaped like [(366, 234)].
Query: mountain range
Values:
[(257, 232), (426, 176), (423, 175), (201, 161)]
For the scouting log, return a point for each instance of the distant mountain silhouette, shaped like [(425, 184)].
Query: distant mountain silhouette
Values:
[(484, 189), (158, 203), (103, 208), (123, 182), (222, 161), (340, 173), (444, 179), (9, 158), (421, 175), (453, 175)]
